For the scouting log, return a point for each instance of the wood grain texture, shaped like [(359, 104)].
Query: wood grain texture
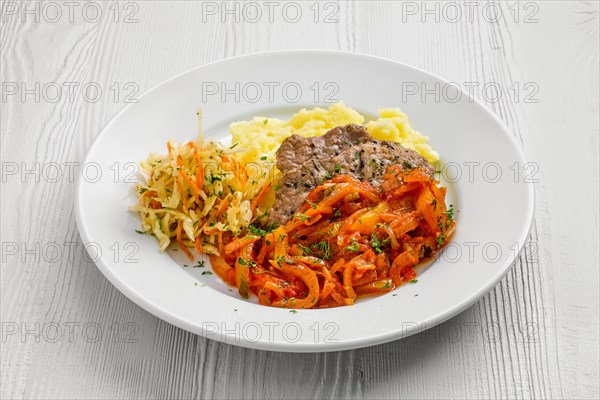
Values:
[(534, 336)]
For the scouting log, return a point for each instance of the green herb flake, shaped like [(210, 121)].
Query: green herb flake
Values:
[(323, 248), (413, 281), (207, 273), (140, 232), (233, 146), (375, 243), (408, 165), (434, 203), (293, 311), (256, 231), (353, 247), (305, 250), (313, 205), (301, 217)]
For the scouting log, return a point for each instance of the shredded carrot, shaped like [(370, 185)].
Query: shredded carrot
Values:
[(222, 207), (260, 196), (200, 168)]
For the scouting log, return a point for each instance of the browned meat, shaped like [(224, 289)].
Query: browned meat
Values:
[(306, 162)]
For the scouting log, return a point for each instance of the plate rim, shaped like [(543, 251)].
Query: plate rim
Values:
[(362, 342)]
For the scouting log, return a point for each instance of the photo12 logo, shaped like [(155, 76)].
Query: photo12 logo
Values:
[(54, 92), (288, 332), (70, 11), (68, 252), (253, 92), (271, 11), (491, 12), (452, 92), (70, 332)]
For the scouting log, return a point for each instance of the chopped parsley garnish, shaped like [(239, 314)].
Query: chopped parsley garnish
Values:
[(408, 165), (263, 158), (199, 265), (256, 231), (313, 205), (413, 281), (337, 168), (324, 248), (440, 240), (301, 217), (266, 121), (434, 203), (337, 214), (353, 247), (373, 164), (305, 250), (293, 311), (140, 232), (246, 263), (206, 273), (449, 213), (375, 243), (212, 178), (387, 285), (233, 146)]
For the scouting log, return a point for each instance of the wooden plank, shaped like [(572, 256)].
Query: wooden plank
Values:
[(533, 336)]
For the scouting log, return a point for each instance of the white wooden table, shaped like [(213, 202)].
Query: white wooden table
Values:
[(68, 333)]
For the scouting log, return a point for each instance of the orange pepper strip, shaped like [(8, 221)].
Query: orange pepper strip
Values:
[(274, 288), (180, 242), (405, 259), (242, 270), (238, 243), (337, 266), (224, 270), (308, 276), (327, 289), (198, 247)]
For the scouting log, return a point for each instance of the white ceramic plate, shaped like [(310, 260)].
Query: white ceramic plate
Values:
[(485, 172)]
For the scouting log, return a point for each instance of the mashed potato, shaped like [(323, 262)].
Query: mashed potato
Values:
[(393, 125), (260, 137)]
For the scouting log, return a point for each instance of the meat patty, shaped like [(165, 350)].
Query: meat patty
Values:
[(344, 150)]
